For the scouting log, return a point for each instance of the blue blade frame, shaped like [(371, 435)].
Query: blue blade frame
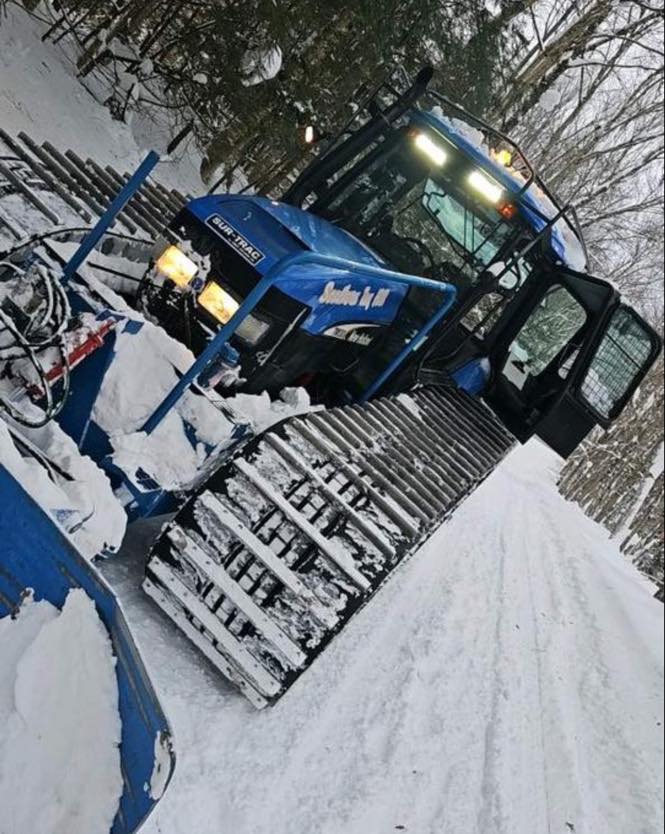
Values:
[(36, 554)]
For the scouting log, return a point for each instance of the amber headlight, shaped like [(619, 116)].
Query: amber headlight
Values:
[(223, 307), (176, 266), (218, 302)]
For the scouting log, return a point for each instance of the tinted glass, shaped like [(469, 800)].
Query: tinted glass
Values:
[(551, 327), (620, 359), (413, 215), (480, 234)]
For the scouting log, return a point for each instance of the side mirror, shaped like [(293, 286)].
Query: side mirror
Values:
[(509, 281)]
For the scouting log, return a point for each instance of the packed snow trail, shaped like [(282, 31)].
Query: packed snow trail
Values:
[(508, 680)]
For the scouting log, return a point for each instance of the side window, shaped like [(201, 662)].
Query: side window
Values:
[(549, 333), (624, 352), (551, 326), (481, 318)]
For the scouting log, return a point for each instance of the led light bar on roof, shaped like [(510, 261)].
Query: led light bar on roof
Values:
[(431, 149), (486, 187)]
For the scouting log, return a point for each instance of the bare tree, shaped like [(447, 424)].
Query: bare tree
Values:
[(597, 135), (617, 477)]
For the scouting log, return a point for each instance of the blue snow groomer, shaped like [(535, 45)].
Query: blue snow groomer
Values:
[(425, 189)]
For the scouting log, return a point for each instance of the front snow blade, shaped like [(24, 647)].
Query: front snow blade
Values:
[(36, 555), (285, 543)]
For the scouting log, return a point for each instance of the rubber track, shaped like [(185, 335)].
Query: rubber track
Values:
[(296, 532)]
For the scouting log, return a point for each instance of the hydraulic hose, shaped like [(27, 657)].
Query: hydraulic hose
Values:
[(44, 331)]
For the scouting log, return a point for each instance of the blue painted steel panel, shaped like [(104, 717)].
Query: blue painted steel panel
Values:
[(309, 261), (270, 237), (364, 299), (36, 554), (473, 377), (76, 416), (270, 227), (319, 235), (278, 229)]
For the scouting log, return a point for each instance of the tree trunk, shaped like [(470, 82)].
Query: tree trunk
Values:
[(550, 64)]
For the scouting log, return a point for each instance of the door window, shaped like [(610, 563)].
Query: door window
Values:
[(482, 317), (549, 333), (621, 357)]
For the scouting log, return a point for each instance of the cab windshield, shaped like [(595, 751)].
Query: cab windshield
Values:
[(421, 218)]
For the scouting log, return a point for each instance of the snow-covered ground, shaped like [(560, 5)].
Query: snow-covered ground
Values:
[(508, 680), (40, 95)]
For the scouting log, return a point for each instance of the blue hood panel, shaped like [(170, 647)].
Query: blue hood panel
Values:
[(267, 231), (295, 229), (319, 235), (248, 218)]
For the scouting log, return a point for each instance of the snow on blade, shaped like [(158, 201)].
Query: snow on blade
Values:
[(83, 503), (128, 398), (59, 723), (262, 412), (162, 770), (143, 371)]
